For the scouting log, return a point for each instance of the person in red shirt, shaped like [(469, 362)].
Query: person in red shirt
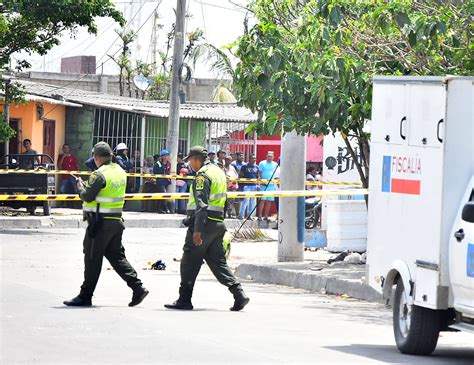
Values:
[(69, 162)]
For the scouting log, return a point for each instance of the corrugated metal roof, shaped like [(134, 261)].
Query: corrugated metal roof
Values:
[(44, 99), (223, 112)]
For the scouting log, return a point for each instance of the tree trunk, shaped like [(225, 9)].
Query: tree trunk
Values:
[(362, 175)]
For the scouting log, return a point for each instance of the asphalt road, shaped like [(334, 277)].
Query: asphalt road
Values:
[(39, 269)]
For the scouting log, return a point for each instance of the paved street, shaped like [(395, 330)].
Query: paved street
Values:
[(41, 268)]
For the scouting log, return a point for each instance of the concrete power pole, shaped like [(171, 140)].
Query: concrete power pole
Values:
[(6, 113), (173, 120), (292, 210), (154, 44)]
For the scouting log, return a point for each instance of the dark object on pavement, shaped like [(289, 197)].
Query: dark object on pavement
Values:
[(339, 257), (159, 265), (181, 305), (138, 295), (78, 302)]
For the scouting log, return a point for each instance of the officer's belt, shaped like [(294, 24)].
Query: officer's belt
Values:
[(102, 210), (104, 215), (212, 215)]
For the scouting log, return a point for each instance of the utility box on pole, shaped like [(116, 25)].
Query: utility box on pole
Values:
[(291, 211)]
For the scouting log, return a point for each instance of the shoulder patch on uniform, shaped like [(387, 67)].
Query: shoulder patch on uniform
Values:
[(92, 178), (199, 182)]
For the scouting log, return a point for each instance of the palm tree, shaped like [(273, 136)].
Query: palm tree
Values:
[(219, 62)]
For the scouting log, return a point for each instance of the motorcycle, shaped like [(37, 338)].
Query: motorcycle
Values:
[(312, 212)]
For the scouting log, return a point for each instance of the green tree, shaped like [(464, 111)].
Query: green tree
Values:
[(35, 26), (307, 65), (123, 61)]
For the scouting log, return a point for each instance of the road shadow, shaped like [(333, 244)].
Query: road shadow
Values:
[(190, 311), (390, 355), (32, 232)]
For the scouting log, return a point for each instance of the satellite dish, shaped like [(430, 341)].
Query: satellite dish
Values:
[(141, 82)]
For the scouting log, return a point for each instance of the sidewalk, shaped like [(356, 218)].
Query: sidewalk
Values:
[(315, 275), (72, 218)]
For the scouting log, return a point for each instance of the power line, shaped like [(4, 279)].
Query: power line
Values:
[(83, 76), (220, 6)]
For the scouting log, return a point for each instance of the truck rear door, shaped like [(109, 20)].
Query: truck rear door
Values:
[(462, 256)]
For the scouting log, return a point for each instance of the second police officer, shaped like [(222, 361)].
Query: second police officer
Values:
[(206, 230)]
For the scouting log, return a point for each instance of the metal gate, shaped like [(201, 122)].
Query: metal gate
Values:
[(231, 137)]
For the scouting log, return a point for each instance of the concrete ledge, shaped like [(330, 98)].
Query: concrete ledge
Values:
[(332, 279), (69, 218)]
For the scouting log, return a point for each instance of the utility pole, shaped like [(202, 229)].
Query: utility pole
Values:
[(154, 44), (6, 112), (291, 211), (173, 120)]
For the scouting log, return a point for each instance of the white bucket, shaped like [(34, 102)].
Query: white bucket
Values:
[(346, 225)]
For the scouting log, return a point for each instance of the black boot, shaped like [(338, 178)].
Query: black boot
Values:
[(78, 302), (240, 299), (139, 294), (181, 305)]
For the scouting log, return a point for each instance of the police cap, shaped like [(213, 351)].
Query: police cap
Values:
[(197, 151), (102, 149)]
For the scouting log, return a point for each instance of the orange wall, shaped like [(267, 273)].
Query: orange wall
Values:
[(32, 128)]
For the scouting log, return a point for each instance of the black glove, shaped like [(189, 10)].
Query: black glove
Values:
[(188, 221)]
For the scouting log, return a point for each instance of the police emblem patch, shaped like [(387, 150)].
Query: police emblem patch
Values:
[(92, 179), (199, 182)]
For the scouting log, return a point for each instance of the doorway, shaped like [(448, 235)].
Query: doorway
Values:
[(49, 131)]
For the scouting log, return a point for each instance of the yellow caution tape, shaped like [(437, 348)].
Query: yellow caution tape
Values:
[(173, 176), (174, 196)]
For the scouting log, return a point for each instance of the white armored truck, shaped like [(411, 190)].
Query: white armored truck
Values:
[(421, 206)]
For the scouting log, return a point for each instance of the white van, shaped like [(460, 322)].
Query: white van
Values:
[(421, 206)]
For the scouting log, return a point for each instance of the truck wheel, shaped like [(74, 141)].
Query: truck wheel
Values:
[(31, 209), (416, 328), (46, 208)]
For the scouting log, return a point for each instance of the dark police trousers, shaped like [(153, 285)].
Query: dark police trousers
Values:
[(107, 242), (212, 251)]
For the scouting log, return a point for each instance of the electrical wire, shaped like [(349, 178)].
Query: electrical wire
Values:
[(83, 76), (220, 6)]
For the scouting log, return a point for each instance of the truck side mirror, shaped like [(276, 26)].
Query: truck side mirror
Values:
[(468, 212)]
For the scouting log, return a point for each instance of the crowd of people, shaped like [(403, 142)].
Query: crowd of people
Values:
[(233, 164)]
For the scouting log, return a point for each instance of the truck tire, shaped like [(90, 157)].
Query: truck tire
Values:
[(416, 328), (46, 208)]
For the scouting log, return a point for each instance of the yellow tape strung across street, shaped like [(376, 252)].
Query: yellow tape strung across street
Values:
[(174, 196), (179, 177)]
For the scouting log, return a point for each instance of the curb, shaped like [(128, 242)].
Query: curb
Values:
[(313, 282), (130, 222)]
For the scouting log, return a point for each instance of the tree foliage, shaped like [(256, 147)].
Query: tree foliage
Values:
[(35, 26), (307, 65)]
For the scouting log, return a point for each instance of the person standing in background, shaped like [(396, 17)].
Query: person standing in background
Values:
[(212, 157), (67, 162), (221, 156), (231, 173), (267, 170), (136, 168), (149, 185), (238, 163), (249, 171), (181, 185), (163, 167)]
